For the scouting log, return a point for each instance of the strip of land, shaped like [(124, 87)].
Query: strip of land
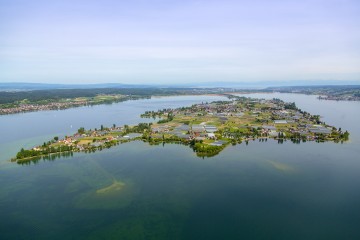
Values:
[(207, 128), (57, 99), (12, 102), (337, 92)]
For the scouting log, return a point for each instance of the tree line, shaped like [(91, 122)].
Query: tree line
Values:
[(57, 94)]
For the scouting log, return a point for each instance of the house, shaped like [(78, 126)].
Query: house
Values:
[(320, 129), (183, 136), (223, 119), (96, 144), (273, 134), (197, 128), (160, 129), (183, 127), (218, 143), (280, 121), (210, 128), (130, 136), (269, 128), (155, 130), (200, 138), (211, 135)]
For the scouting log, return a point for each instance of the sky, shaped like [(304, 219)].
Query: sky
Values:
[(179, 41)]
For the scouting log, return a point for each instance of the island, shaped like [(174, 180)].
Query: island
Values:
[(207, 128)]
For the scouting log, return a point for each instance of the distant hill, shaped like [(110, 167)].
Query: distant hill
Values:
[(220, 84), (46, 86)]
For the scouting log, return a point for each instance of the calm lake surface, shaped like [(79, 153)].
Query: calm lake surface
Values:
[(263, 190)]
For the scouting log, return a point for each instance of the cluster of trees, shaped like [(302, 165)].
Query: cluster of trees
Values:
[(297, 137), (22, 154), (140, 128), (154, 114), (149, 114), (281, 135), (315, 118), (291, 106), (27, 154), (240, 133), (169, 118), (169, 139), (57, 94), (81, 130), (206, 150), (345, 135)]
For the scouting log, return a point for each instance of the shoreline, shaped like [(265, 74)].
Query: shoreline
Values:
[(185, 143)]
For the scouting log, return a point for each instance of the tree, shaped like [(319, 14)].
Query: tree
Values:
[(56, 138), (346, 135), (290, 106), (81, 130)]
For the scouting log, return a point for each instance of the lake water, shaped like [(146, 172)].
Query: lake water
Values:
[(263, 190)]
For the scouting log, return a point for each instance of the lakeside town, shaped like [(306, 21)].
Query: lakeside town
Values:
[(27, 106), (332, 92), (206, 127), (42, 107)]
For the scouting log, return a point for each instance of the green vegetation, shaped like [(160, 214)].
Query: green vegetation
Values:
[(27, 154), (206, 150), (95, 94)]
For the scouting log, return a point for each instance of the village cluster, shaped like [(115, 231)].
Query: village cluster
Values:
[(245, 119), (59, 104), (340, 98), (41, 107)]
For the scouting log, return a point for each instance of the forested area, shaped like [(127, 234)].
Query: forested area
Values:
[(57, 94)]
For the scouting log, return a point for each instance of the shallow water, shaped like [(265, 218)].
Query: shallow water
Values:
[(263, 190)]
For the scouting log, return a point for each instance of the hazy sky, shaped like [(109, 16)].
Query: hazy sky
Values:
[(180, 41)]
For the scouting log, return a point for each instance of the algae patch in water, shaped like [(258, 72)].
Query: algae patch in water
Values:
[(116, 186), (281, 166), (114, 196)]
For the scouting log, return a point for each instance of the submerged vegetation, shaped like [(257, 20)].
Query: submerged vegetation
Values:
[(207, 128)]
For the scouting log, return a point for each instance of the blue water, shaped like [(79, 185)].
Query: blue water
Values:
[(263, 190)]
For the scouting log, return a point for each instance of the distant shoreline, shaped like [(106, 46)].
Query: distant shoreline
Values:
[(44, 100)]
